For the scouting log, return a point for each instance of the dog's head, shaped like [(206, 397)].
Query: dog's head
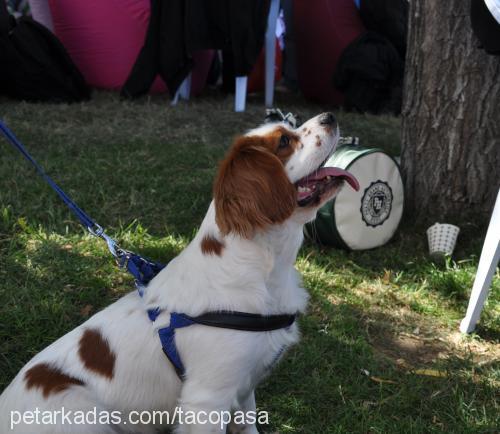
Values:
[(274, 172)]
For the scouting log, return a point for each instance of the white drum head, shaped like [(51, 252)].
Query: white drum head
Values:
[(369, 217)]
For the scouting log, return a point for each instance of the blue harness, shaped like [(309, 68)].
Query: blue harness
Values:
[(143, 270)]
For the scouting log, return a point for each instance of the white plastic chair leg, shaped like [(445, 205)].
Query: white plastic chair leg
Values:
[(183, 92), (487, 266), (240, 94), (185, 89), (271, 51), (40, 11), (175, 99)]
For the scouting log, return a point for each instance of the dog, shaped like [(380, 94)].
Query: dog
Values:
[(270, 183)]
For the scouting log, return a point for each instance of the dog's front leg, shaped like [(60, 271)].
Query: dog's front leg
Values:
[(247, 409), (204, 409)]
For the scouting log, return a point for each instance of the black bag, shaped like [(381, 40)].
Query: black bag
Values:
[(388, 18), (34, 65), (370, 75)]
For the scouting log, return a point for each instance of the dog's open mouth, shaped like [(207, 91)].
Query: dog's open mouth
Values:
[(313, 187)]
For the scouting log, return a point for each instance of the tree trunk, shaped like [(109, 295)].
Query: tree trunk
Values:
[(451, 116)]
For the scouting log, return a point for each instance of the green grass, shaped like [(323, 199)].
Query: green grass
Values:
[(381, 325)]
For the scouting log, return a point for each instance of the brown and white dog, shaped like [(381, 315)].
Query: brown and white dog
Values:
[(268, 186)]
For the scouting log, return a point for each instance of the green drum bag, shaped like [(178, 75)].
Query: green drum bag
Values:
[(364, 219)]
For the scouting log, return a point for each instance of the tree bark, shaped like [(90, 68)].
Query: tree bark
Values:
[(451, 116)]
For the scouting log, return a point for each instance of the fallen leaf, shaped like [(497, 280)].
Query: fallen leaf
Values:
[(430, 372), (382, 380)]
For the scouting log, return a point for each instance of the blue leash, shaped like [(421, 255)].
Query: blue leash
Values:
[(142, 269)]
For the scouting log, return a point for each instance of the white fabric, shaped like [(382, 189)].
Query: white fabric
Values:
[(494, 7), (40, 12), (355, 232)]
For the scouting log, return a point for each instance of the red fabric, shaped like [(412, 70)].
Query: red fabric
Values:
[(104, 37), (257, 78), (322, 29)]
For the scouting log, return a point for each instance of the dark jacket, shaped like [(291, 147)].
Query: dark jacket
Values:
[(177, 28)]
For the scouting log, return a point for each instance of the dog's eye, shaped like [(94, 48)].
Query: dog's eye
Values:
[(284, 142)]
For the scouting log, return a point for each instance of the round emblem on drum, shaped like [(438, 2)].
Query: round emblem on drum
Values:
[(376, 203)]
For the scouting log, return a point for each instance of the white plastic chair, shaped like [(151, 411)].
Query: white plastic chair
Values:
[(241, 82), (487, 266), (184, 90)]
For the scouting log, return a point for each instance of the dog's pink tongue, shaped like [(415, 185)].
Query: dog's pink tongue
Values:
[(337, 173)]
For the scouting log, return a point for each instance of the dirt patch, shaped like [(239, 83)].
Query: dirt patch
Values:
[(409, 350), (410, 339), (406, 340)]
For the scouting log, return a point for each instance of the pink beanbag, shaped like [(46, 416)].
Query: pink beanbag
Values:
[(104, 37), (323, 29)]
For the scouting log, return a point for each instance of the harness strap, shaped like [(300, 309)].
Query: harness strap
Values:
[(167, 339), (141, 268), (242, 321), (249, 322)]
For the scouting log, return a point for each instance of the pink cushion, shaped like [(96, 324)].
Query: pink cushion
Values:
[(323, 29), (104, 37)]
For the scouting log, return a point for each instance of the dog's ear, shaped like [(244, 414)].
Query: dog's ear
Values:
[(252, 190)]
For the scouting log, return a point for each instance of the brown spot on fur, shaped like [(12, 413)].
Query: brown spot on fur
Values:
[(252, 189), (211, 245), (308, 132), (49, 378), (318, 141), (329, 129), (95, 353)]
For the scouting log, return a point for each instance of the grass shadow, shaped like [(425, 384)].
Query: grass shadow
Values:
[(334, 382)]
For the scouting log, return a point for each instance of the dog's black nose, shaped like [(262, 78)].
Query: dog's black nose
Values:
[(327, 119)]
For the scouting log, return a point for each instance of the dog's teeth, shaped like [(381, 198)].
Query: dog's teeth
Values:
[(328, 178), (301, 189)]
